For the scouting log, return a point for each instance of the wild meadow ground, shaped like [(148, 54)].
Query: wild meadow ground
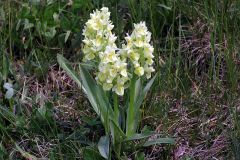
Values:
[(195, 98)]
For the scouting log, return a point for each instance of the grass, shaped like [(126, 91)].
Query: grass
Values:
[(195, 99)]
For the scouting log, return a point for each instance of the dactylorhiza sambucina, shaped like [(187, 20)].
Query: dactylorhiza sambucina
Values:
[(117, 69), (99, 44)]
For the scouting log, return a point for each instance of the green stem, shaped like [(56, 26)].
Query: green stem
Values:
[(118, 150), (131, 110), (117, 142), (116, 107)]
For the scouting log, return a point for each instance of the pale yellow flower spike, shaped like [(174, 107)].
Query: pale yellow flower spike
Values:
[(100, 45), (139, 50)]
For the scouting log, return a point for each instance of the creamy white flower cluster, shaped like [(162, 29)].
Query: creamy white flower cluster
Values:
[(100, 45), (98, 34), (112, 71), (139, 50)]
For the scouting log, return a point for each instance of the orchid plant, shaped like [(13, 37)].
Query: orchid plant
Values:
[(118, 72)]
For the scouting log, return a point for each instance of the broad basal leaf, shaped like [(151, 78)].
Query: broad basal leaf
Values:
[(95, 94), (159, 141), (90, 153), (140, 136), (103, 146)]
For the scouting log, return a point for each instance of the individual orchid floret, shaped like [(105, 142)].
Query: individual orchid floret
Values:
[(120, 85)]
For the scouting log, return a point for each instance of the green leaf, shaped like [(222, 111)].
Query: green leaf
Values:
[(96, 96), (103, 146), (64, 64), (89, 154), (51, 32), (100, 103), (27, 24), (140, 156), (140, 136), (94, 92), (139, 94), (131, 111), (67, 36), (144, 92), (117, 130), (56, 17), (159, 141), (138, 89)]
